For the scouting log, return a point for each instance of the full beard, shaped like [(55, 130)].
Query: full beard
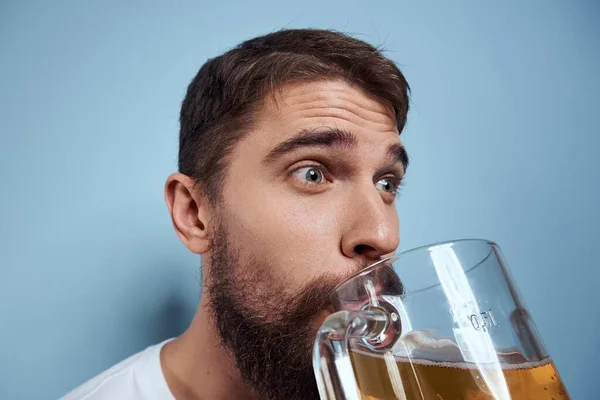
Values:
[(268, 332)]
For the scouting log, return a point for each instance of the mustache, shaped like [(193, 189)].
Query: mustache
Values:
[(314, 298), (320, 293)]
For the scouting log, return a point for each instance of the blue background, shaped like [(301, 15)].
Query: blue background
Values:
[(503, 136)]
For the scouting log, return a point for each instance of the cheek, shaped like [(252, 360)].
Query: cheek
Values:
[(297, 236)]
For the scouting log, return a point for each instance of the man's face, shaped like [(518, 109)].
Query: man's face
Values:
[(309, 199)]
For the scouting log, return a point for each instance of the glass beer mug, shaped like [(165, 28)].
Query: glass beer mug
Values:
[(441, 322)]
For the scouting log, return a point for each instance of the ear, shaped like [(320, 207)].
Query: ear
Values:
[(190, 212)]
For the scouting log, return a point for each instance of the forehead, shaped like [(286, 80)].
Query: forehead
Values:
[(326, 104)]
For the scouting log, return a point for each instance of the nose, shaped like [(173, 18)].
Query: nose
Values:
[(371, 228)]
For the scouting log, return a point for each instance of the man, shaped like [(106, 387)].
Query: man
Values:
[(289, 166)]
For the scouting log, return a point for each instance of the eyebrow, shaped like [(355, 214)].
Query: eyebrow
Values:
[(398, 153), (313, 138), (329, 137)]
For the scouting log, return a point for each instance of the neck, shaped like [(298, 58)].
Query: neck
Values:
[(197, 367)]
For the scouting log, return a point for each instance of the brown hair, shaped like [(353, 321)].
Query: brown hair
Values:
[(228, 91)]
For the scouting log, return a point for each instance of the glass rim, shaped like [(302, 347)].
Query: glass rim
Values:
[(396, 257)]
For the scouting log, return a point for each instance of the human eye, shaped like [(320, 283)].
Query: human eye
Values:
[(389, 185), (311, 175)]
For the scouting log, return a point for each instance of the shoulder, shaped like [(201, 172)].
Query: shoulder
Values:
[(139, 377)]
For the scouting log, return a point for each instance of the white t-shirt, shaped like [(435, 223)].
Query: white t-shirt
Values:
[(139, 377)]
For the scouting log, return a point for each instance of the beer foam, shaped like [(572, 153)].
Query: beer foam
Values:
[(424, 344), (468, 365), (458, 364), (426, 339)]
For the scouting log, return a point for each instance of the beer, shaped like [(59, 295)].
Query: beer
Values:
[(388, 377)]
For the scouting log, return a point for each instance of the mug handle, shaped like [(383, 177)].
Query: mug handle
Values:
[(331, 360)]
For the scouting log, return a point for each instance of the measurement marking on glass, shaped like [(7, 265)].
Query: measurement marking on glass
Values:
[(483, 321)]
